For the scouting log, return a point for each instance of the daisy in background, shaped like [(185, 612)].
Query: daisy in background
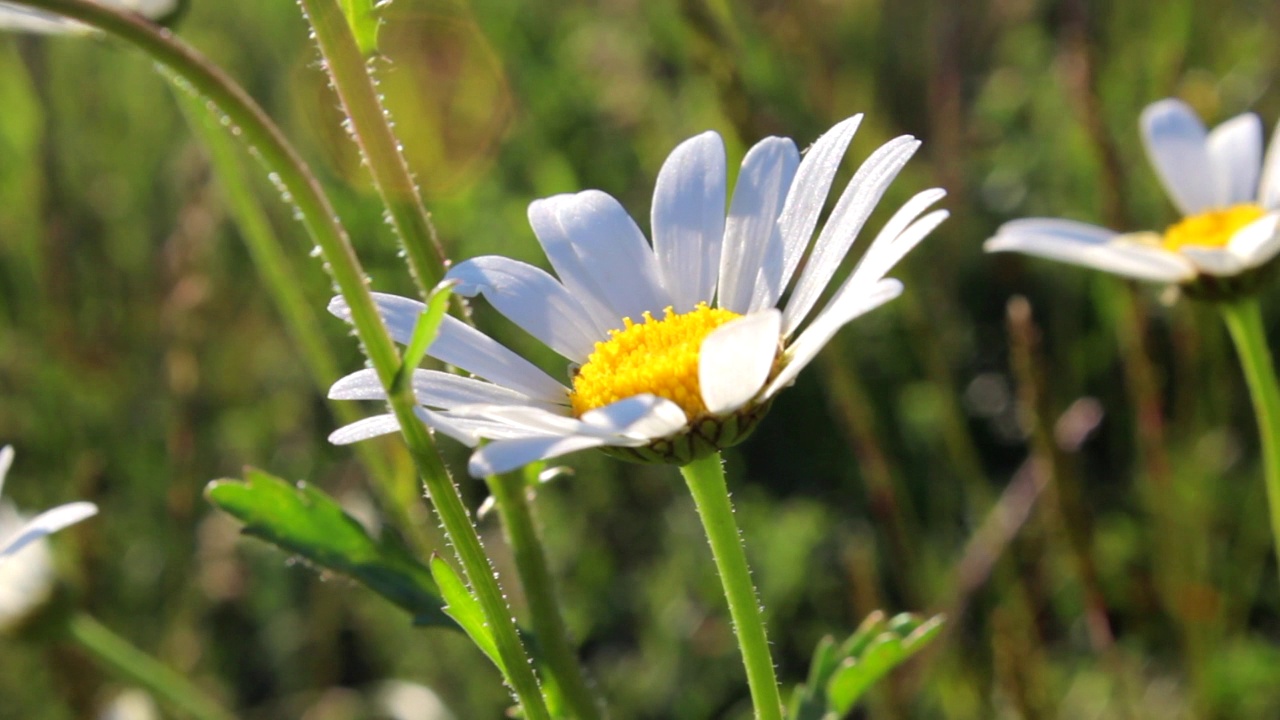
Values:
[(21, 18), (673, 350), (26, 566), (1228, 194), (1223, 250)]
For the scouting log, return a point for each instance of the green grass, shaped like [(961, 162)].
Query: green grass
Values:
[(141, 356)]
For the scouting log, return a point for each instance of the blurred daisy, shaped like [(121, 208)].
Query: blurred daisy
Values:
[(26, 566), (1228, 193), (24, 19), (675, 350)]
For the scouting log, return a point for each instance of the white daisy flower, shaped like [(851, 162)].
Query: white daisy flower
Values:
[(21, 18), (677, 349), (26, 566), (1219, 180)]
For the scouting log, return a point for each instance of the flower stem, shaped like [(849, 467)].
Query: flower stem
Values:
[(705, 478), (118, 654), (510, 494), (372, 132), (301, 188), (1244, 321)]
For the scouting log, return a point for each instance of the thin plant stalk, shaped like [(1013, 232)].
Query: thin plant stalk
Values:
[(706, 481), (371, 129), (397, 491), (1244, 322), (511, 497), (119, 655), (302, 190)]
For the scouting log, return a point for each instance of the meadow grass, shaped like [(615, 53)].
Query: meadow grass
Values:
[(143, 353)]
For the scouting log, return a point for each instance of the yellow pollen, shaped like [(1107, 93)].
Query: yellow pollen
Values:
[(659, 357), (1212, 229)]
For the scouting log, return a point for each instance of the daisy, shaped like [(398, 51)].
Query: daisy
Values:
[(1228, 193), (25, 19), (674, 349), (26, 566)]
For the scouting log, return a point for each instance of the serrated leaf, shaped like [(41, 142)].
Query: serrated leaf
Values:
[(305, 521), (463, 607), (808, 701), (870, 628), (902, 637), (362, 16)]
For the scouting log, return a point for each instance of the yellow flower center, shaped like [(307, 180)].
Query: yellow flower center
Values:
[(658, 357), (1212, 229)]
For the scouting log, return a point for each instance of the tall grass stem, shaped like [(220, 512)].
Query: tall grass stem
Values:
[(119, 655)]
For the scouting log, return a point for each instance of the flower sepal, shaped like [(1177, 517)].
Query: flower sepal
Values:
[(1229, 288), (704, 437)]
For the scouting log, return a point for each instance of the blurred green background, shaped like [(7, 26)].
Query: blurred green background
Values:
[(141, 356)]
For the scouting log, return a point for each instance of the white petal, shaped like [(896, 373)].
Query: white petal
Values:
[(688, 220), (463, 346), (1214, 261), (447, 424), (894, 242), (47, 523), (1269, 185), (1130, 259), (1059, 228), (836, 315), (24, 19), (1175, 140), (506, 455), (471, 429), (735, 360), (614, 252), (399, 313), (517, 421), (433, 388), (544, 217), (859, 199), (639, 419), (532, 299), (753, 254), (370, 427), (6, 462), (1257, 242), (808, 194), (18, 18), (1235, 149)]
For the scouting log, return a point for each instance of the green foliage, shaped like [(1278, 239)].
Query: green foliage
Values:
[(302, 519), (365, 21), (463, 607), (839, 675), (424, 332)]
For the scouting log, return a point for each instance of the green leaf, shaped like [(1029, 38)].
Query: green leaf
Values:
[(425, 331), (839, 675), (902, 637), (362, 16), (464, 609), (306, 521)]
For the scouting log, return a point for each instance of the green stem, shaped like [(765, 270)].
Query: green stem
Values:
[(510, 493), (116, 653), (372, 132), (318, 217), (1244, 321), (706, 481)]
